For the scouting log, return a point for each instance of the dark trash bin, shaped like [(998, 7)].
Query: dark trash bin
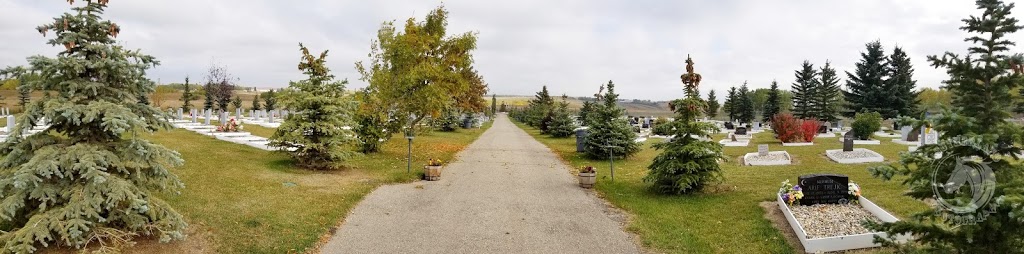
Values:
[(581, 140)]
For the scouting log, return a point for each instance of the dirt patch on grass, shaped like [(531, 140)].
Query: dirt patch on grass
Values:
[(198, 241), (779, 222)]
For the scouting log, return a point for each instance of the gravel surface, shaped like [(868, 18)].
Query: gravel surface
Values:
[(855, 154), (505, 193), (769, 157), (822, 221)]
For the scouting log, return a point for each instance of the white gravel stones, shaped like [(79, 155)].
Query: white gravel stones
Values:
[(798, 144), (738, 142), (773, 158), (821, 221), (858, 155)]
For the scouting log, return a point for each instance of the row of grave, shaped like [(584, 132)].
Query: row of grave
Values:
[(264, 118), (847, 155), (40, 126)]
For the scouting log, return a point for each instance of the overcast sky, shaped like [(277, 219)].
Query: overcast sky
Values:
[(570, 46)]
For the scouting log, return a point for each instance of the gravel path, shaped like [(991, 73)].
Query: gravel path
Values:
[(506, 193)]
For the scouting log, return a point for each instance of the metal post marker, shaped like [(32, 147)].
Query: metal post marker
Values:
[(611, 158), (408, 166)]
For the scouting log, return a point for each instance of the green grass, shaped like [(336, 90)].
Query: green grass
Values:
[(240, 199), (726, 218)]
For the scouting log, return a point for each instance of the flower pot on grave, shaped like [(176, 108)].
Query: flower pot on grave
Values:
[(432, 173), (587, 180)]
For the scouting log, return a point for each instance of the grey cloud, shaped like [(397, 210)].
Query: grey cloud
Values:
[(571, 46)]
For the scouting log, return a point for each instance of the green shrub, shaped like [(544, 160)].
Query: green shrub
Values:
[(866, 124)]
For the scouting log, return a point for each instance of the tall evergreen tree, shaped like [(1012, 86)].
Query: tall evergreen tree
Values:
[(732, 104), (494, 104), (540, 109), (270, 100), (713, 105), (804, 89), (900, 86), (586, 111), (610, 133), (237, 102), (209, 100), (187, 96), (976, 138), (773, 105), (91, 176), (826, 96), (561, 120), (865, 88), (256, 102), (313, 134), (746, 104), (686, 163)]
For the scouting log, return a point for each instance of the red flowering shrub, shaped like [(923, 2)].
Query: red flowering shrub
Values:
[(786, 127), (809, 128)]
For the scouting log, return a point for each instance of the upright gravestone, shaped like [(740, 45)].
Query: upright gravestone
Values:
[(757, 126), (914, 135), (741, 131), (252, 114), (195, 115), (729, 126), (848, 142), (10, 124), (207, 115), (931, 137), (905, 133), (284, 114), (824, 189), (762, 150), (223, 119), (270, 117), (238, 113), (823, 129)]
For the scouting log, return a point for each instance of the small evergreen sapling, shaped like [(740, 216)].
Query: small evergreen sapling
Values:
[(90, 177), (686, 163), (313, 134)]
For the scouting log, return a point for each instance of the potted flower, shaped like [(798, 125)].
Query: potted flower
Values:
[(432, 172), (588, 176), (791, 193), (230, 126)]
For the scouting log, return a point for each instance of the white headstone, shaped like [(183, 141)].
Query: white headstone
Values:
[(762, 150), (270, 118), (931, 137), (238, 113), (208, 114), (10, 124), (181, 113)]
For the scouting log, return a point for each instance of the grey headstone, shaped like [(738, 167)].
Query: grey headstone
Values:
[(223, 119), (733, 137), (238, 113), (762, 150), (209, 116), (270, 117), (195, 115), (905, 133), (10, 123), (848, 142)]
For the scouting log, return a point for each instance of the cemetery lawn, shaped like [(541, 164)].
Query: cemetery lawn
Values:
[(726, 218), (239, 199)]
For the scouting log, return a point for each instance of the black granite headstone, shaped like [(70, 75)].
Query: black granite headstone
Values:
[(848, 142), (741, 131), (729, 126), (823, 129), (824, 189)]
